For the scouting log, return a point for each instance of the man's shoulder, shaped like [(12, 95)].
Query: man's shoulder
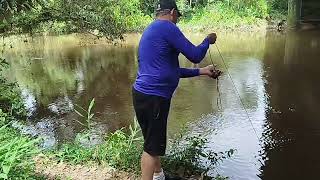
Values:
[(162, 24), (160, 29)]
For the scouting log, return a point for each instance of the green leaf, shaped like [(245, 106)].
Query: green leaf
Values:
[(81, 108), (91, 105), (80, 123), (79, 113), (3, 176), (6, 169)]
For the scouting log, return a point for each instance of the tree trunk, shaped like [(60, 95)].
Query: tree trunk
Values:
[(294, 13)]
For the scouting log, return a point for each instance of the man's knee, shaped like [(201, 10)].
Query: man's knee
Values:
[(151, 156)]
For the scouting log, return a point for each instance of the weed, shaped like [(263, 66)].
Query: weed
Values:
[(86, 114), (16, 153), (189, 156), (119, 150)]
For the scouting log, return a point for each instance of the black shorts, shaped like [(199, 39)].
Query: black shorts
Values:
[(152, 113)]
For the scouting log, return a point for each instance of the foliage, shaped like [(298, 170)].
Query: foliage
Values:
[(87, 115), (147, 6), (113, 18), (16, 152), (277, 5), (120, 150), (278, 9), (219, 15), (11, 103), (109, 18), (254, 8), (190, 156), (10, 7), (123, 150)]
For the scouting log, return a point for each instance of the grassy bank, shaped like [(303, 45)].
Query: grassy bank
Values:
[(120, 150), (16, 150)]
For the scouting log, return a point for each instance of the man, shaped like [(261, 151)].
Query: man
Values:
[(158, 77)]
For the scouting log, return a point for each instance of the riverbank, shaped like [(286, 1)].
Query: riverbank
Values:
[(201, 17), (52, 169), (117, 156)]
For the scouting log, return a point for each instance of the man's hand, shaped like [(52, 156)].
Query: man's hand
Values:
[(212, 38), (210, 71)]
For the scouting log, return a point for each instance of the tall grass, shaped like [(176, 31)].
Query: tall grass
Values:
[(16, 152), (221, 16), (120, 150), (86, 114)]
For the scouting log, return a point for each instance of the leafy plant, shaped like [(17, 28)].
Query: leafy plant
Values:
[(123, 150), (87, 114), (120, 150), (11, 102), (189, 156), (16, 152)]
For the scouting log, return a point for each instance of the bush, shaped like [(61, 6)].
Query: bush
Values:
[(220, 15), (189, 156)]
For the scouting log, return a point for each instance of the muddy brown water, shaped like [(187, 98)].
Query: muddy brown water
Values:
[(276, 75)]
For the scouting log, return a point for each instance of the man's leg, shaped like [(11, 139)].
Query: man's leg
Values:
[(158, 168), (149, 165), (152, 113)]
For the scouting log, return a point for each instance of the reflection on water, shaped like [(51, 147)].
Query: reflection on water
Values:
[(275, 75), (292, 128), (54, 81)]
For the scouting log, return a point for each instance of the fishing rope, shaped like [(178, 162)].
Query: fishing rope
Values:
[(236, 90), (219, 104)]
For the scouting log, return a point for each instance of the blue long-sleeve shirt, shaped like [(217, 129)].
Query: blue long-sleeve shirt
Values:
[(159, 70)]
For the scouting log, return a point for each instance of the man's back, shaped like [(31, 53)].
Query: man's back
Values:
[(158, 61), (159, 48)]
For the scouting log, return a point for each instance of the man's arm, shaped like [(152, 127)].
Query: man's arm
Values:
[(186, 73), (208, 70), (194, 53)]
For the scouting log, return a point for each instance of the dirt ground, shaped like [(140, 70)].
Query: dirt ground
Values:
[(64, 171)]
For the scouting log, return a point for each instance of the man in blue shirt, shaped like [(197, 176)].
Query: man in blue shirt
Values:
[(158, 77)]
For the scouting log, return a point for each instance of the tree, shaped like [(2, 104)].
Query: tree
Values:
[(110, 18), (147, 6)]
